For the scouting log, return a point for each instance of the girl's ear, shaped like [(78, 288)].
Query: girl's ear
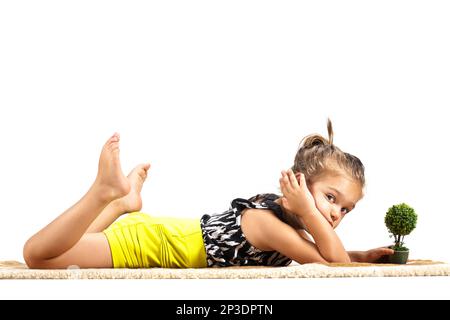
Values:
[(308, 181)]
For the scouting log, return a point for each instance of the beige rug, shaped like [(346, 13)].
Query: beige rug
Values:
[(414, 268)]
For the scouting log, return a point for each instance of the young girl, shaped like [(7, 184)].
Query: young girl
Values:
[(323, 185)]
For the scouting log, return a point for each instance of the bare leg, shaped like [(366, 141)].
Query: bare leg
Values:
[(66, 230), (130, 203)]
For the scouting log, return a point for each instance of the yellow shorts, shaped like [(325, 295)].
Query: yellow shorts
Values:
[(142, 241)]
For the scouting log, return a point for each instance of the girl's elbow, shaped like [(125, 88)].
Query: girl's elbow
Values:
[(30, 255)]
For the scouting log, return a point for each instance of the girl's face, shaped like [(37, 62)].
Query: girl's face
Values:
[(335, 195)]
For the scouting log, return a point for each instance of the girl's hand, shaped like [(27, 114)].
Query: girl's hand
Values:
[(377, 255), (296, 196)]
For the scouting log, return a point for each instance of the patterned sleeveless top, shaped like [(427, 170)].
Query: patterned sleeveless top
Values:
[(225, 242)]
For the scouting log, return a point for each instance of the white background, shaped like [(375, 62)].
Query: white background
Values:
[(217, 95)]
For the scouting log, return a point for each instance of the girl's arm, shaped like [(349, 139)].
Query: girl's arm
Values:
[(326, 239), (371, 256), (355, 256), (273, 234), (297, 199)]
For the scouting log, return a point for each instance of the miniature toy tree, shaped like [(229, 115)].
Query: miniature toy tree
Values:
[(400, 220)]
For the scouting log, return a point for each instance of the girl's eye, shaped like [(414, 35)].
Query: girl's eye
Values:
[(344, 210), (330, 197)]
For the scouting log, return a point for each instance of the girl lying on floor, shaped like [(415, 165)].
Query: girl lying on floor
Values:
[(323, 185)]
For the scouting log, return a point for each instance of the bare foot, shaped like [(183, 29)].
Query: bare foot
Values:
[(132, 201), (110, 181)]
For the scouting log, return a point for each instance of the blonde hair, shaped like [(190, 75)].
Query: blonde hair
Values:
[(317, 155)]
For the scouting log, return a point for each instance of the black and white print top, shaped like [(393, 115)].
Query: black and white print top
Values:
[(225, 242)]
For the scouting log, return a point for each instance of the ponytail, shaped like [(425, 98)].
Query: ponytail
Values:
[(317, 140), (316, 154)]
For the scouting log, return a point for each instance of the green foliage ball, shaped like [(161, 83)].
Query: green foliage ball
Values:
[(400, 219)]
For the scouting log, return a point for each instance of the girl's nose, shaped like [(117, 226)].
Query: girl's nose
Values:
[(334, 214)]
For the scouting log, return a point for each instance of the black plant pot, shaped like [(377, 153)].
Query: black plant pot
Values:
[(399, 257)]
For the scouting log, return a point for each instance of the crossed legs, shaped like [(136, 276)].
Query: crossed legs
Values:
[(75, 237), (129, 203)]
